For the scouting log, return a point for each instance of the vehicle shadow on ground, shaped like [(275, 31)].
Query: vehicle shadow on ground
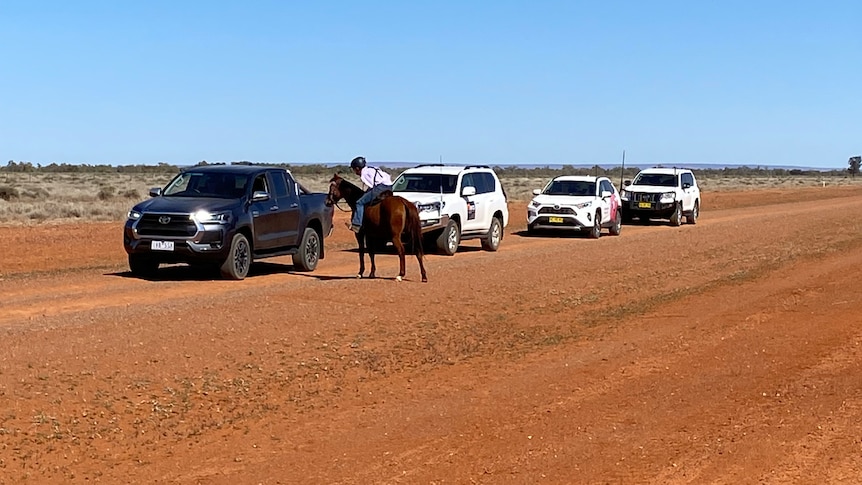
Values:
[(649, 222), (552, 234), (181, 272)]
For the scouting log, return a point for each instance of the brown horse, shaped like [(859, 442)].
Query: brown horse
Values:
[(383, 221)]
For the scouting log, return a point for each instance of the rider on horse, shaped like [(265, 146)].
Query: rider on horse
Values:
[(377, 181)]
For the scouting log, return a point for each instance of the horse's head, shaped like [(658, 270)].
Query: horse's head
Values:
[(334, 194)]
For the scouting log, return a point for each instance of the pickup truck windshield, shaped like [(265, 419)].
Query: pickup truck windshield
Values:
[(432, 183), (205, 184), (571, 187), (657, 179)]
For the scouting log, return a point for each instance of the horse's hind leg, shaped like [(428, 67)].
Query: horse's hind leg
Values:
[(399, 246), (421, 267), (373, 273)]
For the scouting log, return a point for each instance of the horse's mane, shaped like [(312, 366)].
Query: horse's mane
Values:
[(346, 186), (350, 185)]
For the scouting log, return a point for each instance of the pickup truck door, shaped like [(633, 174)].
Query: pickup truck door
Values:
[(290, 212), (265, 214)]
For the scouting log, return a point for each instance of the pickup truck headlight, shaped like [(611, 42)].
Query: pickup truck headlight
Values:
[(134, 215), (207, 217), (668, 197), (584, 205)]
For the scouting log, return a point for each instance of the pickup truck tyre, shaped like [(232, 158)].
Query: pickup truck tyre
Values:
[(239, 259), (691, 218), (676, 217), (143, 265), (308, 253), (616, 226), (495, 234), (596, 231), (448, 240)]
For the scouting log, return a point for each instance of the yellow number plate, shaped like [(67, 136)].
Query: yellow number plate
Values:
[(557, 220), (644, 205)]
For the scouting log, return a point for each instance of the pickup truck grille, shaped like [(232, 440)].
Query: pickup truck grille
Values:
[(176, 226), (561, 210)]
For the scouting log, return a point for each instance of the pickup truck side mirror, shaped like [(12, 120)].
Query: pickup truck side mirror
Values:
[(259, 196), (606, 194), (468, 191), (537, 191), (155, 191), (627, 183)]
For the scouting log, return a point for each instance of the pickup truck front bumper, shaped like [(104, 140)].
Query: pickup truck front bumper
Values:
[(205, 243)]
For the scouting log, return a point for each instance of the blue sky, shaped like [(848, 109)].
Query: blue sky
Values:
[(526, 82)]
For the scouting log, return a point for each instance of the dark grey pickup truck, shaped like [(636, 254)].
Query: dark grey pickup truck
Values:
[(227, 216)]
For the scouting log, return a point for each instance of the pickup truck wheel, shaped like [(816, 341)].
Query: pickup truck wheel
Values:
[(143, 265), (448, 240), (617, 226), (308, 253), (238, 260), (695, 212), (676, 217), (495, 234), (596, 231)]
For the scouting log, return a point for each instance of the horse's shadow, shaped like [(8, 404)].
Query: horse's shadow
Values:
[(321, 277)]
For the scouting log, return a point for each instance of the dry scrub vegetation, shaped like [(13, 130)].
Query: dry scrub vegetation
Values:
[(40, 198)]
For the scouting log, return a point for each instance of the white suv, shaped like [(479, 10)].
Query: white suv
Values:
[(456, 203), (662, 193), (576, 203)]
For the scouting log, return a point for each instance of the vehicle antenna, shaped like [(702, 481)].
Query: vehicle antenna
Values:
[(623, 169)]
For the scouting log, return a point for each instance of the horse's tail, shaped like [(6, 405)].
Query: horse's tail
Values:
[(413, 226)]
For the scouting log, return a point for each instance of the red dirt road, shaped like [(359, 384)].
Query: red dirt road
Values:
[(725, 352)]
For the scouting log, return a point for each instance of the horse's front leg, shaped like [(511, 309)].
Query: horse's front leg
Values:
[(360, 241), (373, 273)]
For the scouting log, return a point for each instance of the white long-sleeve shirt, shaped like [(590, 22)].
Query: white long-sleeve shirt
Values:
[(373, 176)]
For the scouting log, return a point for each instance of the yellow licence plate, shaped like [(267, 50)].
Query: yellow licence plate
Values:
[(644, 205), (557, 220)]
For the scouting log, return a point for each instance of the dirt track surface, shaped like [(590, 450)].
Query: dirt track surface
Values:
[(725, 352)]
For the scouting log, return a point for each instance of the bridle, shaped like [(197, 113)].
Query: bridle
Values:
[(332, 184)]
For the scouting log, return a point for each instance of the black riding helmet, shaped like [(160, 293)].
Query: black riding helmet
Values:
[(358, 162)]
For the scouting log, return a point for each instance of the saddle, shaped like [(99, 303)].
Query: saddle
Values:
[(383, 195)]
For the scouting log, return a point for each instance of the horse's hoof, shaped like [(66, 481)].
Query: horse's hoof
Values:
[(425, 280), (398, 278), (359, 276)]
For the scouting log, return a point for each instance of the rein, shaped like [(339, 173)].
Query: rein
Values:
[(335, 203)]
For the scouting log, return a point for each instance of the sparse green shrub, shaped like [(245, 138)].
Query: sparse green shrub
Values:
[(130, 194)]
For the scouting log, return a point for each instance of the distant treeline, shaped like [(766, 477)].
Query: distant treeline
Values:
[(507, 171)]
